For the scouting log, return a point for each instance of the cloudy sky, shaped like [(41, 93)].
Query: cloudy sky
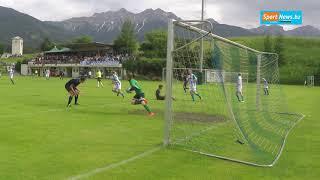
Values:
[(243, 13)]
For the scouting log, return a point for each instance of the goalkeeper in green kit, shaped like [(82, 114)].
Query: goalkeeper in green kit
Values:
[(139, 98)]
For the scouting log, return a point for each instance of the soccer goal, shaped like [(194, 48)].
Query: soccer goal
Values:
[(219, 125), (309, 81)]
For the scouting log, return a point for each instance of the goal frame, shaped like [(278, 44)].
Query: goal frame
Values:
[(168, 117), (310, 81)]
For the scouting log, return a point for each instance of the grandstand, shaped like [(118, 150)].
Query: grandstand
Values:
[(75, 60)]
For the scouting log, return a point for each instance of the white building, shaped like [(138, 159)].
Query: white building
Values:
[(17, 46)]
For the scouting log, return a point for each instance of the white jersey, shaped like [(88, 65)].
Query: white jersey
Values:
[(11, 73), (192, 79), (116, 81), (239, 84), (265, 84), (47, 73)]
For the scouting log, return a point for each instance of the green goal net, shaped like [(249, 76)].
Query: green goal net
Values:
[(229, 102)]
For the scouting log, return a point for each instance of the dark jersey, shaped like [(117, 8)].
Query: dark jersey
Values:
[(74, 82), (157, 93), (158, 96), (185, 80)]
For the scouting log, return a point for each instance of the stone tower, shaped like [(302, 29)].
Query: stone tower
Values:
[(17, 46)]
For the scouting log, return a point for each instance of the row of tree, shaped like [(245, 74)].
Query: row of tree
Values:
[(277, 47), (47, 44)]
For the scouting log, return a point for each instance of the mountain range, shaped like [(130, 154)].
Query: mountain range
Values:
[(105, 26)]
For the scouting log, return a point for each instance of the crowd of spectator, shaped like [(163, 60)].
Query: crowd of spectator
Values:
[(105, 60), (82, 60)]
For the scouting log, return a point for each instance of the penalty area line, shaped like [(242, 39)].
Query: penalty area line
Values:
[(114, 165)]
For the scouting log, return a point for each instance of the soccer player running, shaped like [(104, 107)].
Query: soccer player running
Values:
[(185, 81), (239, 88), (139, 98), (71, 87), (192, 79), (116, 84), (11, 74), (265, 87), (99, 77)]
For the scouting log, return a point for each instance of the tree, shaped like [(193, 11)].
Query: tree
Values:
[(46, 45), (126, 42), (82, 39), (267, 43), (279, 49), (155, 44)]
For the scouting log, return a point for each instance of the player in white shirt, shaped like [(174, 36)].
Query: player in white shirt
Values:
[(265, 87), (11, 74), (239, 88), (47, 74), (90, 74), (116, 84), (192, 80)]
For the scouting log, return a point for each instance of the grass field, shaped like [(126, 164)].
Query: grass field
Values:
[(41, 139)]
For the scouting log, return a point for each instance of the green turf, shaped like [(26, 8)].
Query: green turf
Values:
[(41, 139)]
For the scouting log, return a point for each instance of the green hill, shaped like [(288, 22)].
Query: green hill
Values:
[(301, 56), (32, 30)]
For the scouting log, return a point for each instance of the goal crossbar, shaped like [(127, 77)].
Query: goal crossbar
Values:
[(184, 24)]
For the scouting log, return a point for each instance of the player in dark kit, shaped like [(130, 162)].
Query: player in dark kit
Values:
[(61, 74), (71, 87), (158, 92), (185, 81)]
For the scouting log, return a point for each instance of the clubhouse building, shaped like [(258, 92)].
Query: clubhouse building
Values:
[(75, 60)]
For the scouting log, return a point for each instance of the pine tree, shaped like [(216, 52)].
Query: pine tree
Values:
[(279, 49), (126, 42), (267, 43)]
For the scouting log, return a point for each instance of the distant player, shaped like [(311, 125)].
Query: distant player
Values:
[(116, 84), (139, 98), (90, 74), (99, 78), (11, 74), (158, 93), (36, 73), (192, 80), (265, 87), (47, 74), (185, 82), (239, 88), (71, 87), (61, 75)]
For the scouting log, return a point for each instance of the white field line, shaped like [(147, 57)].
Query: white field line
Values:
[(114, 165)]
